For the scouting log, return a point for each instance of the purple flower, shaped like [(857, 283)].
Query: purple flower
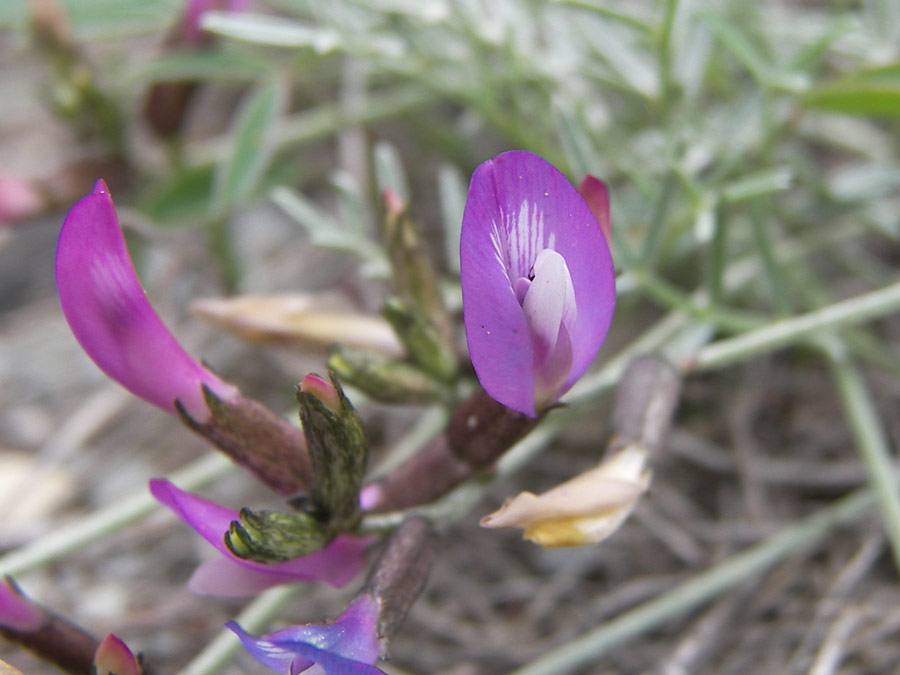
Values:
[(349, 646), (231, 576), (16, 611), (108, 311), (537, 281)]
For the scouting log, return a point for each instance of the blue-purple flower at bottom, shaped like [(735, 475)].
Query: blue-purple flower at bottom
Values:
[(537, 280), (349, 646), (108, 311), (231, 576)]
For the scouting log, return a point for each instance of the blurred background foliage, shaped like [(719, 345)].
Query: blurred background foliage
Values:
[(727, 131)]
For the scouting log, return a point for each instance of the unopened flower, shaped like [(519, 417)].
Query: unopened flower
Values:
[(537, 281), (349, 646), (108, 311), (231, 576), (584, 510), (16, 611), (302, 320), (113, 657)]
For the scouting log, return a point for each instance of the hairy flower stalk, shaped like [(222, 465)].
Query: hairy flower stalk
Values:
[(537, 281), (108, 311)]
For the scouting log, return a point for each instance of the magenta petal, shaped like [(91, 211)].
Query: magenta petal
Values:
[(346, 647), (15, 611), (225, 578), (519, 205), (336, 564), (108, 311), (210, 520)]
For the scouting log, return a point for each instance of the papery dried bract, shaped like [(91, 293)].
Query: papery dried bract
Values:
[(300, 321), (108, 311), (584, 510), (537, 281), (348, 646)]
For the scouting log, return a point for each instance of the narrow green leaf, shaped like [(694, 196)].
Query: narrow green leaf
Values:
[(758, 184), (207, 64), (880, 98), (183, 197), (389, 171), (452, 193), (239, 173), (760, 65)]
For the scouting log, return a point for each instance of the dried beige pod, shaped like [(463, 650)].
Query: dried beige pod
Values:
[(298, 320), (584, 510)]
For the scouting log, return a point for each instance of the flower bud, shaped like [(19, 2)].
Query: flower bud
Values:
[(337, 450), (414, 275), (113, 657), (271, 536), (421, 339), (383, 378)]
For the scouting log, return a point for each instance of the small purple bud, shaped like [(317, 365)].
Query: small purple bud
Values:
[(108, 311), (113, 657), (323, 390), (537, 281)]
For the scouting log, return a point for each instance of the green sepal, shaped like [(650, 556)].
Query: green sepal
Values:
[(386, 379), (273, 537), (415, 280), (421, 339), (338, 453)]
